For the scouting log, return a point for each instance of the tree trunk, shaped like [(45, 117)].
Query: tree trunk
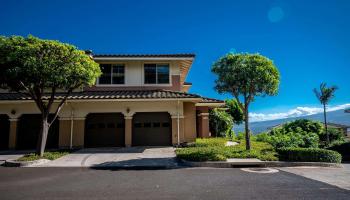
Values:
[(246, 126), (325, 122), (43, 135)]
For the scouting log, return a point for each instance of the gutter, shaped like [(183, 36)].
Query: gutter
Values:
[(107, 100)]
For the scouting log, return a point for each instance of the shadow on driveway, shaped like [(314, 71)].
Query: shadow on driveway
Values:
[(140, 164)]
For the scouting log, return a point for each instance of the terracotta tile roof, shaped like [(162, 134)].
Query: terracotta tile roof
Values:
[(127, 94), (179, 55)]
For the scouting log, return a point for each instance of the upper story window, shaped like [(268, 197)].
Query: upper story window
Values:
[(112, 74), (156, 73)]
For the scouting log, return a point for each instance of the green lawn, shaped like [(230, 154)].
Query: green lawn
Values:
[(50, 155), (214, 149)]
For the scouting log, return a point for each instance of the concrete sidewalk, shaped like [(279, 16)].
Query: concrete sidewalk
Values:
[(11, 155), (335, 176), (118, 157)]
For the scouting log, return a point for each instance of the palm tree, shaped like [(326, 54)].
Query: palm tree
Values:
[(324, 95)]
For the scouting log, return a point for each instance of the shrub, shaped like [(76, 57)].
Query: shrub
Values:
[(343, 149), (220, 122), (240, 136), (309, 155), (299, 133), (206, 142), (335, 136), (214, 149), (200, 154), (262, 137), (50, 155)]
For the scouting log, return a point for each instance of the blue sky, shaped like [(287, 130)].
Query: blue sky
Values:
[(308, 41)]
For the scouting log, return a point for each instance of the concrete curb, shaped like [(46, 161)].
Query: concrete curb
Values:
[(222, 164), (301, 164), (15, 163), (225, 164)]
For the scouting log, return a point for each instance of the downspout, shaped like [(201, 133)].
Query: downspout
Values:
[(71, 127), (178, 123)]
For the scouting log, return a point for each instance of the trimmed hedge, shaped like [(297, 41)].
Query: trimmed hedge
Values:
[(214, 149), (309, 155), (343, 149)]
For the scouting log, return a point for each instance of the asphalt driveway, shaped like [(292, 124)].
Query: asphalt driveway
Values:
[(118, 157)]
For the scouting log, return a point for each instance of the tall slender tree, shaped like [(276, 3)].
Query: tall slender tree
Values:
[(246, 76), (325, 95)]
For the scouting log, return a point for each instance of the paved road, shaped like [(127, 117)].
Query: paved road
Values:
[(184, 183), (335, 176)]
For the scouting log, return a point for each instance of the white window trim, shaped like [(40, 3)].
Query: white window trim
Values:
[(111, 84), (156, 84)]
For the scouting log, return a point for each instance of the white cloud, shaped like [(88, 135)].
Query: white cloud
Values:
[(296, 112)]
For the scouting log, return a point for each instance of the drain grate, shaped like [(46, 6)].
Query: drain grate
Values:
[(260, 170)]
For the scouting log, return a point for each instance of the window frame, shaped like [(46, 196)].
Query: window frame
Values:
[(111, 77), (156, 83)]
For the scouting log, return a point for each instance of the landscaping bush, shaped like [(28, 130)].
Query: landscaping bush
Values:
[(336, 136), (309, 155), (200, 154), (50, 155), (343, 149), (301, 133), (220, 122), (206, 142), (214, 149)]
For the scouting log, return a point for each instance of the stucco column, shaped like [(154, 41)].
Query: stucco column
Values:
[(128, 131), (177, 129), (65, 133), (204, 125), (78, 132), (13, 133)]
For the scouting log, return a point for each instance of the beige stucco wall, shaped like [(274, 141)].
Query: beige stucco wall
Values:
[(185, 111), (82, 108), (190, 122)]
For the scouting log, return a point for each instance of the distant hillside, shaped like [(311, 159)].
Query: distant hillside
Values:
[(338, 117)]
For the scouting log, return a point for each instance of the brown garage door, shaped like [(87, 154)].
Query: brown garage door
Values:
[(104, 130), (151, 129), (28, 132), (4, 132)]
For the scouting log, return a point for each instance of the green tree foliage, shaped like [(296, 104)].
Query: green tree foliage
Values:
[(220, 123), (335, 136), (39, 68), (299, 133), (324, 95), (234, 110), (246, 76)]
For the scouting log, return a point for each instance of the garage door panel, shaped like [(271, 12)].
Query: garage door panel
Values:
[(151, 129), (104, 130)]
